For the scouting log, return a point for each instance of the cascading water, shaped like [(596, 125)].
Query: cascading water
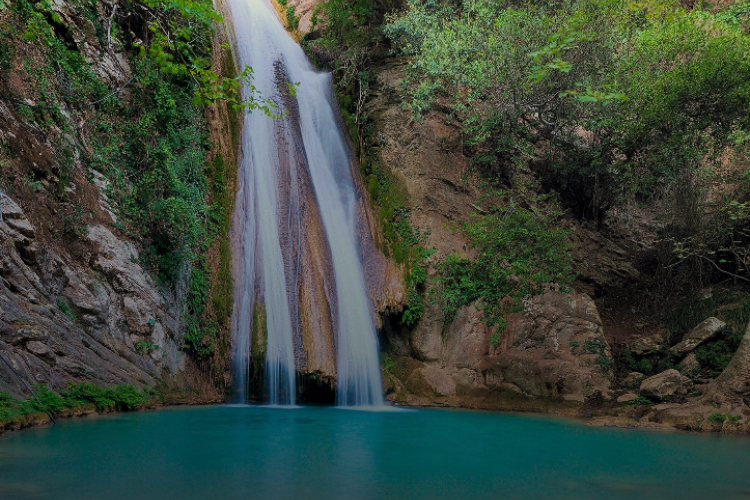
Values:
[(277, 219)]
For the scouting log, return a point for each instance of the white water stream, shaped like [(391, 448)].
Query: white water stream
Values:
[(264, 44)]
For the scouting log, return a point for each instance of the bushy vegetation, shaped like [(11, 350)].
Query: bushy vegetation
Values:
[(167, 185), (731, 307), (347, 37), (77, 395), (608, 102), (519, 252), (605, 103)]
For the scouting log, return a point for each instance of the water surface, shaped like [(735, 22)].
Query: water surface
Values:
[(247, 452)]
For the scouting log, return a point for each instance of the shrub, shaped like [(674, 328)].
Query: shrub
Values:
[(717, 418), (519, 251)]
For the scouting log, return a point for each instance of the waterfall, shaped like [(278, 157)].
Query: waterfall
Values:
[(296, 227)]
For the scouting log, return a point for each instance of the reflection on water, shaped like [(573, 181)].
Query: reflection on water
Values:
[(248, 452)]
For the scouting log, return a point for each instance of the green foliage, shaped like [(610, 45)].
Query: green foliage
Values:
[(636, 364), (145, 347), (223, 292), (613, 101), (292, 21), (351, 32), (66, 310), (199, 331), (519, 251), (594, 346), (731, 307), (717, 418), (605, 363), (416, 282), (150, 142), (48, 399), (119, 397), (77, 395), (640, 401)]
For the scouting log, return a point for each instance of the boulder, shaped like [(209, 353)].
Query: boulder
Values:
[(704, 331), (689, 364), (41, 351), (626, 398), (664, 385), (555, 348), (9, 209), (647, 345)]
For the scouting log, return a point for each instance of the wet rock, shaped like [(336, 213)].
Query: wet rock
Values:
[(708, 329), (663, 385)]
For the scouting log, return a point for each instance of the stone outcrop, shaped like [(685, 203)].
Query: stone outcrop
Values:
[(75, 302), (665, 385), (553, 350), (304, 9), (600, 263), (706, 330), (734, 381), (61, 320)]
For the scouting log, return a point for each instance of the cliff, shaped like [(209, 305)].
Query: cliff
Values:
[(86, 294)]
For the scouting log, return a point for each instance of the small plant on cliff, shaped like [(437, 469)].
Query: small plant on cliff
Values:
[(640, 401), (717, 418), (145, 347), (292, 21), (66, 310)]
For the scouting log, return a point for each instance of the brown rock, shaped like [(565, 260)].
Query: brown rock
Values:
[(734, 381), (663, 385), (704, 331), (633, 380), (647, 345), (627, 397), (689, 364), (555, 348)]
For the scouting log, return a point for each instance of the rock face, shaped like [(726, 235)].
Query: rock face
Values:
[(734, 381), (704, 331), (304, 9), (600, 263), (664, 385), (554, 349), (75, 304), (62, 321)]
